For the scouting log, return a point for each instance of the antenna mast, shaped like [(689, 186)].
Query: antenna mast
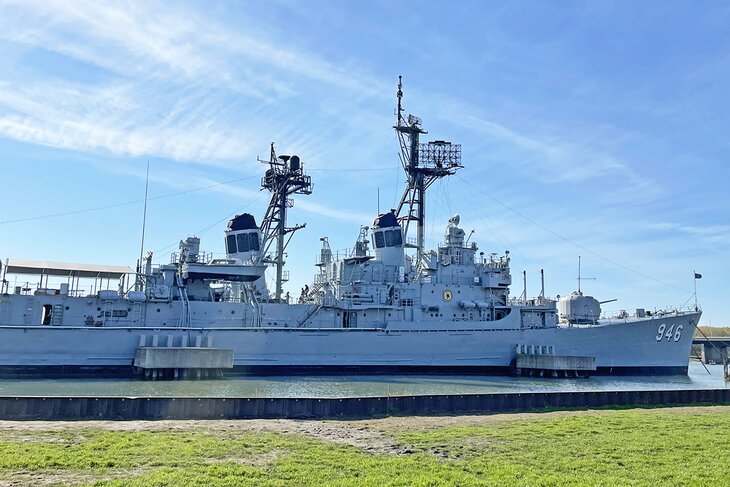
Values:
[(580, 278), (423, 164), (138, 280), (285, 177)]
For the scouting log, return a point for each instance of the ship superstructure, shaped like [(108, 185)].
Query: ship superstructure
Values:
[(387, 304)]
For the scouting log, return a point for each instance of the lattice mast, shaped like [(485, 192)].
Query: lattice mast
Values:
[(284, 178), (423, 164)]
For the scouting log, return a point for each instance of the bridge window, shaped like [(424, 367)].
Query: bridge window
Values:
[(379, 240), (253, 241), (393, 238), (242, 239), (389, 241), (231, 244)]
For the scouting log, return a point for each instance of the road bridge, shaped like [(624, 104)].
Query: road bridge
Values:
[(712, 350)]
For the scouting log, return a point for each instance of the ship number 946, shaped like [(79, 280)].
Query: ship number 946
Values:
[(669, 333)]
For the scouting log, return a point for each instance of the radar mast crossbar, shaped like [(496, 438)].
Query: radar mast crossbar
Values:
[(423, 165), (284, 178)]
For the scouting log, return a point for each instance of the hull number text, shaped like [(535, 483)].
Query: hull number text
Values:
[(670, 333)]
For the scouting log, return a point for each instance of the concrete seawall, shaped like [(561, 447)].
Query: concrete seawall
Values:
[(151, 408)]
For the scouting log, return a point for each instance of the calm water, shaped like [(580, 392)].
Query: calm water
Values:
[(358, 385)]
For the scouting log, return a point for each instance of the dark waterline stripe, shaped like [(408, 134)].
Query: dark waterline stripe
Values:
[(70, 371), (156, 408)]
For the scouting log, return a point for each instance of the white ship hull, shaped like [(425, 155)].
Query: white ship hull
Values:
[(624, 347)]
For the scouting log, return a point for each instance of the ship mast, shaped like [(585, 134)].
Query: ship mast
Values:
[(423, 165), (285, 177)]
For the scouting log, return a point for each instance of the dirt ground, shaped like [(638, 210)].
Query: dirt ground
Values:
[(368, 434), (37, 479)]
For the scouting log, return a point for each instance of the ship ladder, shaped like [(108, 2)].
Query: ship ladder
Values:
[(314, 289), (308, 316), (57, 314)]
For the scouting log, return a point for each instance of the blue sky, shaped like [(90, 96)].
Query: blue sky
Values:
[(588, 128)]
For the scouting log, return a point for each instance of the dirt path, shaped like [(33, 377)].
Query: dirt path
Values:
[(65, 477), (355, 433), (371, 435)]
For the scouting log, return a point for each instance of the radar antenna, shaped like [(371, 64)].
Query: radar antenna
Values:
[(423, 164), (285, 177)]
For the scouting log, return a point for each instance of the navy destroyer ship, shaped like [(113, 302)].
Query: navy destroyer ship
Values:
[(387, 305)]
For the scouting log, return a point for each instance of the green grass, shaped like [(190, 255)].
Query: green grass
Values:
[(618, 448), (634, 447)]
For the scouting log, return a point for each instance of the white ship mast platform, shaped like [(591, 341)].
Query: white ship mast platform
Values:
[(71, 272), (65, 269)]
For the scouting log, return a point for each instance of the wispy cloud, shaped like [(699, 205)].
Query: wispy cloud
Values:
[(132, 39), (167, 57), (553, 159), (108, 120), (157, 39), (176, 72), (712, 235)]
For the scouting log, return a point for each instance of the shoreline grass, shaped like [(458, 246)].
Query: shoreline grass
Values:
[(685, 446)]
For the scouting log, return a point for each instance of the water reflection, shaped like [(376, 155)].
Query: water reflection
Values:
[(357, 385)]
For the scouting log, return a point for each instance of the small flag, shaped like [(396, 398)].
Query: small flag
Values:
[(698, 276)]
